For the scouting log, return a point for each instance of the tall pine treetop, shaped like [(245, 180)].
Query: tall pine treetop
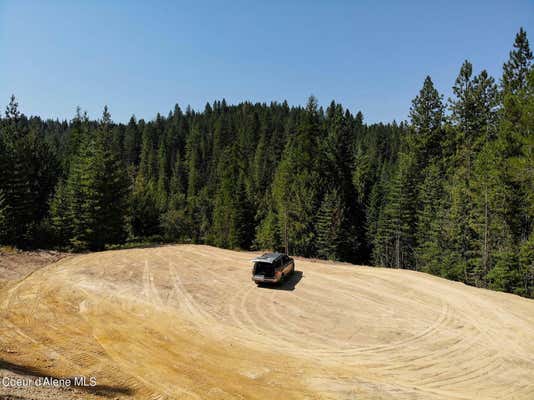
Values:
[(12, 109), (515, 70), (426, 112), (106, 116), (462, 106)]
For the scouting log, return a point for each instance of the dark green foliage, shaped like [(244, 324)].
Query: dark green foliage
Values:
[(426, 115), (526, 268), (330, 227), (89, 210), (78, 216), (61, 220), (428, 236), (163, 173), (132, 142), (28, 176), (231, 216), (112, 188), (268, 233), (296, 184), (4, 212), (451, 192), (145, 212), (394, 240), (517, 68)]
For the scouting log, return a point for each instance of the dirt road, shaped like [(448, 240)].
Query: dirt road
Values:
[(186, 322)]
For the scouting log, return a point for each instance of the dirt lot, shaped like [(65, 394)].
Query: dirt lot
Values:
[(186, 322), (16, 264)]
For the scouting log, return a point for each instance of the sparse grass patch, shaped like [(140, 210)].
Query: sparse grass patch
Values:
[(8, 250)]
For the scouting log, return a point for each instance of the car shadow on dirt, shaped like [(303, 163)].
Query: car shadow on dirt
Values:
[(98, 390), (288, 284)]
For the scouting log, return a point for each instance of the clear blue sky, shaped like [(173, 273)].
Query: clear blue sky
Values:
[(143, 57)]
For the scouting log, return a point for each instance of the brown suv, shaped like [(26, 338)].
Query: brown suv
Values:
[(272, 268)]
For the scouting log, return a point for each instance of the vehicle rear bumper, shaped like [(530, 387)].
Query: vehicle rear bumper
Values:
[(260, 279)]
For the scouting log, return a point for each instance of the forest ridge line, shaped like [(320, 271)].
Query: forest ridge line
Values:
[(450, 193)]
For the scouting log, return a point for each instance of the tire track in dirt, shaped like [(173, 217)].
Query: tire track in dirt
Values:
[(342, 331), (272, 322)]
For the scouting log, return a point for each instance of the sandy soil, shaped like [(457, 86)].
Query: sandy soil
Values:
[(186, 322), (15, 264)]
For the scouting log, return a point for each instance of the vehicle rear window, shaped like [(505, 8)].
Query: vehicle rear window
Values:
[(261, 268)]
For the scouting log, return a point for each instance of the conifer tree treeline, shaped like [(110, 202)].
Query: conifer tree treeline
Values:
[(451, 192)]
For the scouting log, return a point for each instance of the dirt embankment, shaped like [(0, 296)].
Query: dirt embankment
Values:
[(186, 322), (16, 264)]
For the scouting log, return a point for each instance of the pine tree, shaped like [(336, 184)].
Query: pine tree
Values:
[(131, 142), (268, 233), (174, 221), (81, 198), (374, 208), (95, 194), (521, 174), (193, 162), (296, 184), (516, 138), (4, 221), (335, 166), (425, 142), (43, 169), (426, 114), (177, 181), (485, 98), (489, 197), (330, 227), (162, 183), (399, 237), (473, 116), (145, 213), (462, 115), (61, 217), (17, 189), (394, 244), (260, 171), (457, 234), (77, 133), (5, 227), (230, 214), (428, 250), (147, 163), (67, 212), (516, 69), (526, 268), (112, 186), (12, 128)]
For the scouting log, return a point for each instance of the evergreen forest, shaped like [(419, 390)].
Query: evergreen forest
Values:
[(449, 192)]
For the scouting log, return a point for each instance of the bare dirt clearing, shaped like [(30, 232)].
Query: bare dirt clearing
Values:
[(186, 322), (16, 264)]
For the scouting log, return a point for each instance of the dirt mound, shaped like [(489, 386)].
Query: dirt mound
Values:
[(15, 264), (187, 322)]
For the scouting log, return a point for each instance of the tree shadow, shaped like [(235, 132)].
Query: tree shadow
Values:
[(288, 284), (98, 390)]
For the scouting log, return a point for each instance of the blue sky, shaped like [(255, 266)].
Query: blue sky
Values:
[(143, 57)]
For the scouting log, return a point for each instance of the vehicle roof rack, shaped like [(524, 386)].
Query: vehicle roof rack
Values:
[(268, 258)]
